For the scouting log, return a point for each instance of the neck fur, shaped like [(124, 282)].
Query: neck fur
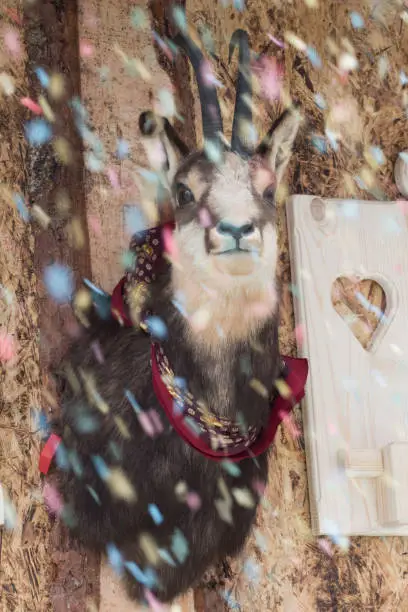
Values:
[(234, 373)]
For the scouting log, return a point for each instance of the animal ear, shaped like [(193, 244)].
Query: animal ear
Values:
[(164, 148), (277, 145)]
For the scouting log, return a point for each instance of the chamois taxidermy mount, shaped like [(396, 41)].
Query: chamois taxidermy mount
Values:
[(226, 242)]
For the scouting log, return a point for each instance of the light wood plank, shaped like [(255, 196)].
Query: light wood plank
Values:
[(356, 399)]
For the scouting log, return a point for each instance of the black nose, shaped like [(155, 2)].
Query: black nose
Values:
[(236, 231)]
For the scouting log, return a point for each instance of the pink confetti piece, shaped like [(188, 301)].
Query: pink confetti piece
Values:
[(403, 206), (113, 178), (332, 429), (85, 49), (7, 347), (170, 246), (277, 42), (146, 424), (154, 603), (299, 334), (325, 546), (208, 75), (12, 42), (32, 106), (97, 351), (204, 217), (269, 73), (52, 499), (95, 224), (288, 421), (258, 486), (193, 501), (155, 419), (13, 15)]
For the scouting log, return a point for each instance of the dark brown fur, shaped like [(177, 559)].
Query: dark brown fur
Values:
[(155, 466)]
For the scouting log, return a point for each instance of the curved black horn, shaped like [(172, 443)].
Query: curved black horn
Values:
[(242, 112), (210, 108)]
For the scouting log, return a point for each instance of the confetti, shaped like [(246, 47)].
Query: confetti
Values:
[(139, 18), (40, 216), (149, 548), (180, 20), (43, 77), (154, 603), (357, 20), (59, 282), (122, 149), (85, 48), (120, 486), (155, 514), (193, 501), (7, 347), (32, 106), (115, 559), (231, 468), (224, 510), (38, 132), (12, 42), (147, 578), (7, 84), (283, 388), (243, 497), (135, 222), (179, 546), (314, 57), (269, 73), (156, 327), (52, 499), (259, 387), (320, 101)]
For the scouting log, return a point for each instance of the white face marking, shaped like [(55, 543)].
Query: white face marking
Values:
[(237, 290)]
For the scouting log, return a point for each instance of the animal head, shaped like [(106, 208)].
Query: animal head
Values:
[(223, 196)]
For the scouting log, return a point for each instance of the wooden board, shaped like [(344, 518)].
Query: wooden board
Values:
[(356, 406)]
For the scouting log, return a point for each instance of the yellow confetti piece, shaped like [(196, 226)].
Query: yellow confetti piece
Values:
[(63, 150), (120, 485), (63, 203), (295, 41), (57, 86), (40, 216), (122, 427), (7, 84), (76, 234), (149, 548), (283, 388), (260, 388), (46, 109), (243, 497), (83, 299)]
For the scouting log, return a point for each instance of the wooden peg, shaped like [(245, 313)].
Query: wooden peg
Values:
[(362, 463)]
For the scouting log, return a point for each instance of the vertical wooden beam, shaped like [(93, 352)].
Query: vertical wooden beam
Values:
[(52, 44)]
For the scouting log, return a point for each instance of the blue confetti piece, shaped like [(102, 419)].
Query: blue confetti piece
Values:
[(76, 463), (167, 558), (403, 78), (231, 468), (350, 209), (231, 602), (320, 101), (38, 132), (404, 156), (10, 514), (155, 514), (134, 220), (357, 20), (42, 424), (179, 17), (21, 207), (194, 427), (86, 424), (148, 578), (252, 570), (320, 144), (314, 57), (115, 559), (100, 466), (94, 494), (43, 77), (378, 155), (135, 405), (156, 327), (59, 282), (61, 458), (239, 5), (179, 546), (122, 149)]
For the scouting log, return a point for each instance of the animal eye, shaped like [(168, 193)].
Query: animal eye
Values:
[(269, 194), (184, 195)]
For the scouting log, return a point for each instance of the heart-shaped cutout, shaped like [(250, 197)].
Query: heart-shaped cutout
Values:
[(361, 303)]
